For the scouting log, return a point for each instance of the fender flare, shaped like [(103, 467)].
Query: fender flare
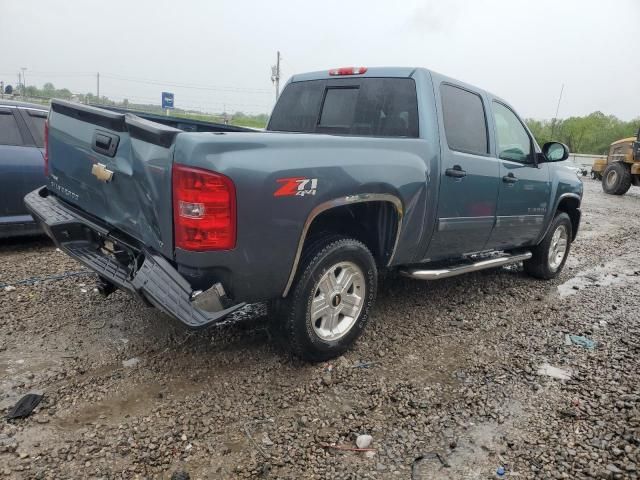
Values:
[(338, 202), (555, 209)]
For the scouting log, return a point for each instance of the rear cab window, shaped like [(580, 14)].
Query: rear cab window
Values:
[(376, 107)]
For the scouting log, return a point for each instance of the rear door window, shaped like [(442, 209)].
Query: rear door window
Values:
[(465, 123), (377, 107), (35, 121), (9, 131)]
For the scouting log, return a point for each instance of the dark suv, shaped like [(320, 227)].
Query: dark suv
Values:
[(21, 164)]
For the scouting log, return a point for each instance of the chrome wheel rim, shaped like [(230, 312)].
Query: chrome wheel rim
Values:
[(612, 178), (558, 248), (338, 300)]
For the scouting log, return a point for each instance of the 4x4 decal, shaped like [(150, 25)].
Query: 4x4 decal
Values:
[(296, 187)]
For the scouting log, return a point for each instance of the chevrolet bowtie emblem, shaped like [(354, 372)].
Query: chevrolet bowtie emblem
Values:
[(101, 172)]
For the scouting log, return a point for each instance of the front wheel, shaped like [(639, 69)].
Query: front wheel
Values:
[(550, 255), (330, 303)]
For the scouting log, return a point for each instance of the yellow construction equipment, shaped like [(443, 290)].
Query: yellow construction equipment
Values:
[(621, 168)]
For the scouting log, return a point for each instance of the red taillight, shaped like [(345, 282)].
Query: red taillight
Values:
[(204, 209), (348, 71), (46, 148)]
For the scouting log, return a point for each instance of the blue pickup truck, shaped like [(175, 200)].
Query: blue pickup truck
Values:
[(359, 170)]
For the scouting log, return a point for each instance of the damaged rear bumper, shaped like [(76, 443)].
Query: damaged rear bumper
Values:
[(131, 267)]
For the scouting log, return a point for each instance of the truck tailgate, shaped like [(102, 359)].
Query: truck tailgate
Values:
[(116, 167)]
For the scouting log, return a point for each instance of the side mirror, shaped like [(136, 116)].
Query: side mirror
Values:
[(555, 151)]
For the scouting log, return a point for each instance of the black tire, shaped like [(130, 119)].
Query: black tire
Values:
[(294, 311), (539, 265), (616, 179)]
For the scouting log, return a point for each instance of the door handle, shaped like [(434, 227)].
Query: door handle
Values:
[(511, 178), (455, 172)]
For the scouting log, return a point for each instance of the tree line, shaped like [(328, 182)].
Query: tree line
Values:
[(592, 133)]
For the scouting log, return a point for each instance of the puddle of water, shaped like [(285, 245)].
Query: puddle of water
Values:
[(112, 409), (18, 372), (619, 271), (475, 456)]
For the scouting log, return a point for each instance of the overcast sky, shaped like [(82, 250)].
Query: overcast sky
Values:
[(521, 50)]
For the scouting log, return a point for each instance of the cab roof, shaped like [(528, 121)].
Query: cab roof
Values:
[(388, 72), (397, 72)]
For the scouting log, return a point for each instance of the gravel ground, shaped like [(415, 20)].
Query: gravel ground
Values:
[(449, 380)]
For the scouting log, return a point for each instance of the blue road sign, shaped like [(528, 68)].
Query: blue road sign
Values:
[(167, 100)]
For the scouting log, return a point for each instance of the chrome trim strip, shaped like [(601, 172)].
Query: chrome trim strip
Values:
[(43, 110), (448, 224), (337, 202), (436, 274), (517, 220)]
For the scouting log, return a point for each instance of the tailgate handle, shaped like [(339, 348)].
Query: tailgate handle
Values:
[(105, 143)]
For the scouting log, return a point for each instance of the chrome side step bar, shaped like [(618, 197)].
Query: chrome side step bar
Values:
[(435, 274)]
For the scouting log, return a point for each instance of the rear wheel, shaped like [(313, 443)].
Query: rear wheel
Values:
[(550, 255), (330, 302), (616, 179)]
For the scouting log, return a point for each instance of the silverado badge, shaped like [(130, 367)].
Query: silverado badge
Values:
[(101, 172)]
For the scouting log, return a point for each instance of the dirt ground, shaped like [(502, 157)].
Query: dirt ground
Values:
[(452, 379)]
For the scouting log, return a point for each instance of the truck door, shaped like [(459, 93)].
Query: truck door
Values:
[(21, 166), (469, 176), (524, 186)]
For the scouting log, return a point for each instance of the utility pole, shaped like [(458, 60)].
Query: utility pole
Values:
[(555, 119), (275, 75), (98, 86), (24, 82), (1, 89)]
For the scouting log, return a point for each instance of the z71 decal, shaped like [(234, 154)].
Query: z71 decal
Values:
[(296, 187)]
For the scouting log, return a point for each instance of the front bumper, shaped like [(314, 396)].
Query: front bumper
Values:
[(144, 273)]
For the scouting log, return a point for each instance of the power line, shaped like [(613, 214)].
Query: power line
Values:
[(184, 85), (117, 93), (126, 78), (198, 104), (52, 74)]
